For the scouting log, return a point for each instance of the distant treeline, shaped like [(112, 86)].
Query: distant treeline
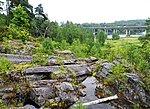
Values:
[(139, 22)]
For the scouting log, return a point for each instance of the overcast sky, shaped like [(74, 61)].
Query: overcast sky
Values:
[(94, 11)]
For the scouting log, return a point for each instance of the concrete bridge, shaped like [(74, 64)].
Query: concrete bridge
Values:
[(114, 28)]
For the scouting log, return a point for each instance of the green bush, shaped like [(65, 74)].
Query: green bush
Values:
[(5, 65), (95, 50), (19, 26), (142, 39), (118, 72), (115, 35), (40, 59), (101, 37), (48, 45), (18, 33), (79, 50), (3, 32), (63, 45)]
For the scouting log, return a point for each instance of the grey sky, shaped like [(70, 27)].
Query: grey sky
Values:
[(95, 11)]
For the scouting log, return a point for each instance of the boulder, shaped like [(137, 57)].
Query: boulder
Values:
[(93, 59), (48, 90), (52, 62), (40, 91), (67, 92), (79, 70), (16, 59), (129, 92), (65, 86), (104, 69), (87, 60), (37, 70), (135, 91), (69, 61), (65, 52), (27, 107), (65, 71)]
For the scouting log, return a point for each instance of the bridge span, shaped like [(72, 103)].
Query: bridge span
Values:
[(114, 28)]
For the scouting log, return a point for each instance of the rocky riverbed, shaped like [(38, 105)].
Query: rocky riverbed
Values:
[(59, 85)]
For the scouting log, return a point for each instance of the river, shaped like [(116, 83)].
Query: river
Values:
[(123, 35)]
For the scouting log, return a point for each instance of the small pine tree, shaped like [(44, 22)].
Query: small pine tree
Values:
[(101, 37), (48, 45)]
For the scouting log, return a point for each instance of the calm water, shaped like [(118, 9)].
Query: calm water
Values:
[(90, 83), (122, 35)]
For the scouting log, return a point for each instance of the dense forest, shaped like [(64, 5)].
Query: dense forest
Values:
[(43, 64)]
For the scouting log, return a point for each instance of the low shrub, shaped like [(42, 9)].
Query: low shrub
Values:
[(5, 65), (40, 59)]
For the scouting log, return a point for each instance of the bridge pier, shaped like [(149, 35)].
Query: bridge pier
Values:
[(114, 30), (145, 32), (106, 31), (94, 32), (127, 32)]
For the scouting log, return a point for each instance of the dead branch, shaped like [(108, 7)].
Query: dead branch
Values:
[(101, 100)]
